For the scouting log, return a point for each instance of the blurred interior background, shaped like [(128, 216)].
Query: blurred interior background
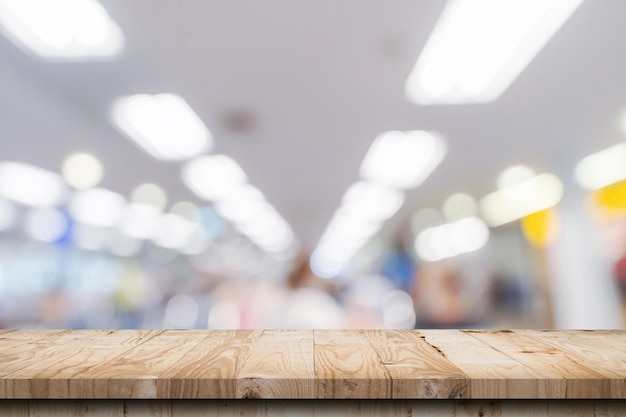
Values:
[(354, 164)]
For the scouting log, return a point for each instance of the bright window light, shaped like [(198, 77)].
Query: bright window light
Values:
[(602, 168), (97, 207), (82, 170), (30, 185), (452, 239), (72, 30), (479, 47), (163, 125), (371, 201), (402, 159), (512, 203), (213, 177)]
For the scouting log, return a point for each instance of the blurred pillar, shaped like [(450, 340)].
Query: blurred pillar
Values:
[(584, 294)]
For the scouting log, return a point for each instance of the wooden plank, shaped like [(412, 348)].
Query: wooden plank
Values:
[(280, 365), (248, 408), (492, 374), (134, 374), (290, 408), (194, 408), (432, 408), (148, 408), (565, 376), (65, 359), (417, 368), (14, 408), (346, 366), (221, 355), (600, 351), (526, 408), (571, 408), (62, 408), (482, 408), (100, 408)]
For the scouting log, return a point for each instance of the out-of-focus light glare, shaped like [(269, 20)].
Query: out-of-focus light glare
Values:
[(125, 246), (479, 47), (140, 221), (398, 310), (224, 314), (82, 170), (372, 201), (64, 29), (149, 193), (212, 177), (459, 206), (452, 239), (540, 228), (602, 168), (90, 237), (163, 125), (402, 159), (46, 224), (30, 185), (325, 265), (175, 231), (181, 312), (97, 207), (242, 211), (196, 245), (514, 175), (8, 215), (513, 203), (187, 210), (425, 218)]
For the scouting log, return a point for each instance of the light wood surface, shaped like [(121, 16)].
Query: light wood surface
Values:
[(311, 364)]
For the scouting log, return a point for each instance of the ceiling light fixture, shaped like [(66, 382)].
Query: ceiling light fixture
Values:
[(602, 168), (163, 125), (479, 47), (527, 197), (72, 30), (402, 159), (31, 185)]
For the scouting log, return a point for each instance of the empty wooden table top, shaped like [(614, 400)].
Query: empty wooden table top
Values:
[(312, 364)]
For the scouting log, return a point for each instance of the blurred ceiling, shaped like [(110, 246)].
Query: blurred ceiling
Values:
[(296, 91)]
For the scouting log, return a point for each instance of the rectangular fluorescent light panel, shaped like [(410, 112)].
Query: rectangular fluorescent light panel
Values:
[(402, 159), (31, 185), (163, 125), (516, 201), (479, 47), (602, 168), (61, 29)]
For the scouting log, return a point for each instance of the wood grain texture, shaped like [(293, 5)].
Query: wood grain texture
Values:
[(492, 374), (417, 368), (280, 365), (566, 375), (306, 364), (209, 369), (346, 366), (312, 408)]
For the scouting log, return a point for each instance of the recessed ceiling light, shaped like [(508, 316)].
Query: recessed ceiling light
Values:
[(478, 48), (163, 125), (82, 170), (61, 29), (402, 159)]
